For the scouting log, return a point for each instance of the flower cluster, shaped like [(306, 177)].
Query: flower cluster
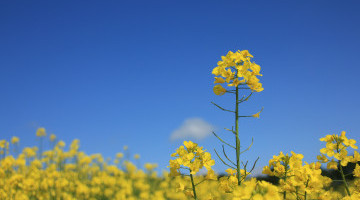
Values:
[(336, 148), (229, 183), (296, 178), (41, 132), (257, 190), (237, 69), (4, 147), (191, 157), (283, 165)]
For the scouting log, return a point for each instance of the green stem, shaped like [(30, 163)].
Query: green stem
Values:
[(307, 183), (285, 180), (237, 136), (40, 148), (193, 185), (343, 178)]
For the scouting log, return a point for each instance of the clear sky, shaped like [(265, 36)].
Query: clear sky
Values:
[(115, 73)]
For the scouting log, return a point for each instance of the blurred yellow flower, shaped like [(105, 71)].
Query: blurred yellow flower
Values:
[(14, 140), (137, 156), (119, 155), (52, 137), (41, 132)]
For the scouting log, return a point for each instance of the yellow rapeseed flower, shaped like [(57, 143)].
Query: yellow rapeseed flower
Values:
[(41, 132), (332, 165), (52, 137), (236, 68), (119, 155), (14, 140), (219, 80), (219, 90)]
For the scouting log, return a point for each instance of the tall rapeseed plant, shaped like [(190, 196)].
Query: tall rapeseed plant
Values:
[(238, 73)]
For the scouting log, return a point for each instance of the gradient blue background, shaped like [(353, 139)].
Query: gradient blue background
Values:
[(120, 73)]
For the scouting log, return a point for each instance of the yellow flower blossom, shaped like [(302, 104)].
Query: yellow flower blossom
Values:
[(322, 158), (119, 155), (332, 165), (219, 80), (219, 90), (14, 140), (180, 187), (237, 68), (357, 171), (41, 132), (52, 137), (211, 175), (356, 157)]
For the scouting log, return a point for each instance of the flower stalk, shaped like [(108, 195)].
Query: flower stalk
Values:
[(193, 185), (237, 136), (344, 180)]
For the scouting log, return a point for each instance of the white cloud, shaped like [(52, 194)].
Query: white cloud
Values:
[(192, 128)]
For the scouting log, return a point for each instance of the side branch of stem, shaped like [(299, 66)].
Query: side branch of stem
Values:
[(222, 108), (227, 156), (223, 140), (223, 160)]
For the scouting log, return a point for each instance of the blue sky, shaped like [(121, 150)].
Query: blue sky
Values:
[(130, 73)]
